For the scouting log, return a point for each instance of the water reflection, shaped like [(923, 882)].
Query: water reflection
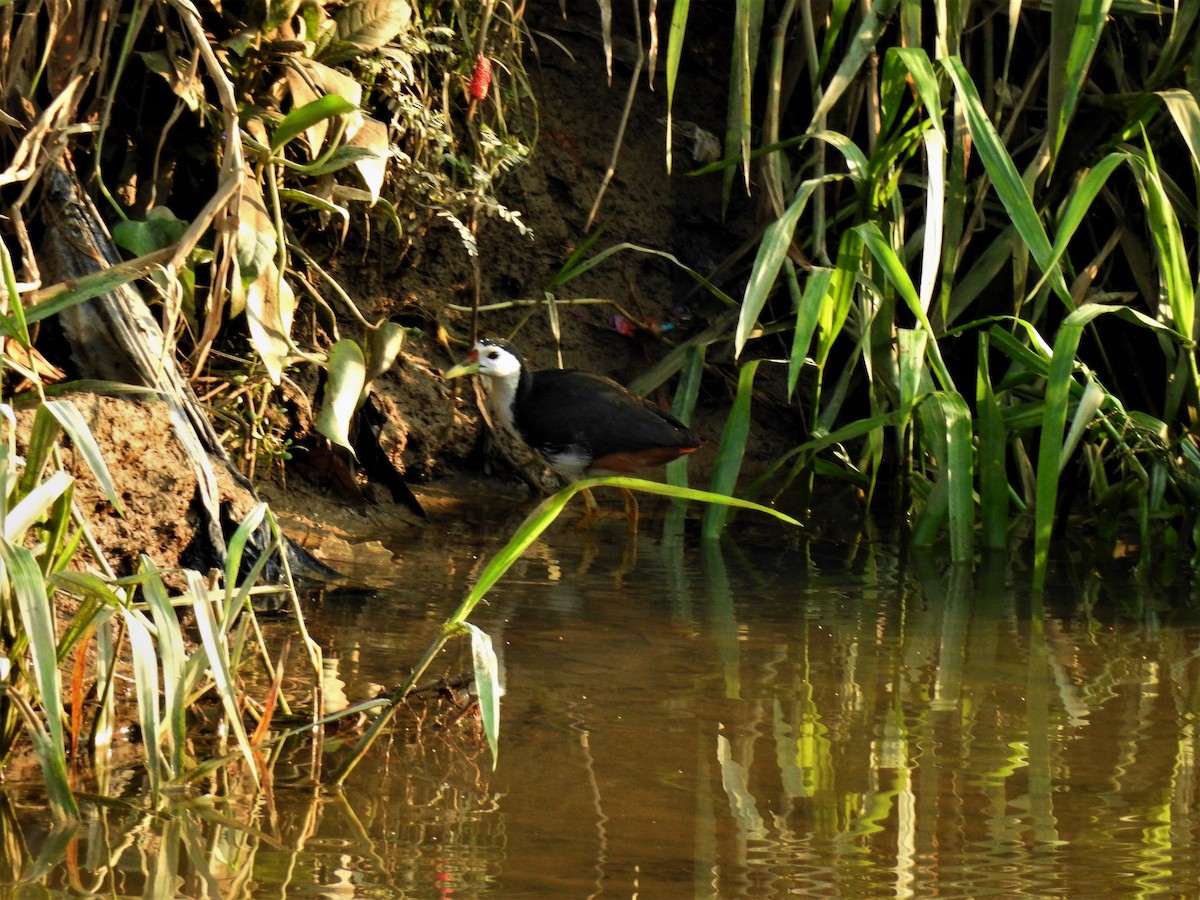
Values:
[(752, 720)]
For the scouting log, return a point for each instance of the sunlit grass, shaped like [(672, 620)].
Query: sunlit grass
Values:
[(999, 237)]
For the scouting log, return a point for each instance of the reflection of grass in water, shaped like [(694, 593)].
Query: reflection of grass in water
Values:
[(486, 668), (918, 732)]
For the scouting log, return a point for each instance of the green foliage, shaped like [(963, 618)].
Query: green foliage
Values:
[(1011, 302), (56, 607), (291, 118)]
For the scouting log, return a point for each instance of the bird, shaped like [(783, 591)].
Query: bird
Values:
[(581, 423)]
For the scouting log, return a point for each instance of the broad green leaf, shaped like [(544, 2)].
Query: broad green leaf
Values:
[(320, 204), (257, 241), (278, 12), (300, 120), (371, 139), (346, 378), (341, 157), (384, 343), (270, 308), (159, 230)]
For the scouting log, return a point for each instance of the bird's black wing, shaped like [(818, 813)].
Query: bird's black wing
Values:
[(567, 409)]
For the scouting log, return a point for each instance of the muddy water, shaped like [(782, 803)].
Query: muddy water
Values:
[(760, 720)]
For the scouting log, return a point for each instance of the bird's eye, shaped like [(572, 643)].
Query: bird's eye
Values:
[(495, 354)]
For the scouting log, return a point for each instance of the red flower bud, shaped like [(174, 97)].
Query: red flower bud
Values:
[(481, 80)]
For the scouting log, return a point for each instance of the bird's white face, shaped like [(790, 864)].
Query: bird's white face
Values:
[(496, 362)]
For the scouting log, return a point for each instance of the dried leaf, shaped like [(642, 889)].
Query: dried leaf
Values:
[(369, 24), (373, 138)]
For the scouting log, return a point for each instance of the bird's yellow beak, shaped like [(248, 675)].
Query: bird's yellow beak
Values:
[(468, 367)]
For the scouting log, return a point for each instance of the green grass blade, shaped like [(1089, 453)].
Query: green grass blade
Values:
[(684, 405), (923, 78), (52, 760), (730, 451), (772, 252), (863, 45), (835, 306), (236, 593), (218, 666), (935, 204), (487, 686), (993, 478), (546, 512), (675, 36), (34, 505), (914, 382), (530, 529), (1075, 29), (38, 621), (1086, 409), (43, 438), (173, 657), (1172, 252), (1185, 112), (54, 299), (604, 254), (1059, 384), (808, 314), (898, 276), (947, 438), (959, 473), (68, 416), (1005, 178), (747, 27), (145, 680), (933, 512)]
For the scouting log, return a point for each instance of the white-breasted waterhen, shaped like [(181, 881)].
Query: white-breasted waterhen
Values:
[(580, 423)]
